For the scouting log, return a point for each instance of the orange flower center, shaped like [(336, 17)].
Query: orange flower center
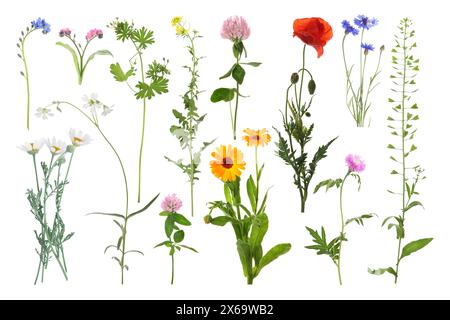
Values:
[(227, 163), (256, 138)]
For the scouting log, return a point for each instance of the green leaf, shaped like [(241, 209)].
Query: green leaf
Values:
[(148, 91), (360, 220), (98, 53), (116, 215), (143, 37), (118, 73), (226, 75), (144, 208), (253, 64), (181, 219), (178, 236), (169, 226), (74, 55), (222, 94), (390, 146), (187, 247), (251, 192), (273, 254), (415, 246), (259, 229), (412, 205), (164, 243), (238, 74), (220, 221), (378, 272), (245, 256)]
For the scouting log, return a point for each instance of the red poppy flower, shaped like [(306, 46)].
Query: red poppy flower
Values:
[(315, 32)]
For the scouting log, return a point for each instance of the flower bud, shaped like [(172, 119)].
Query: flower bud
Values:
[(207, 219), (70, 148), (308, 114), (382, 48), (294, 78)]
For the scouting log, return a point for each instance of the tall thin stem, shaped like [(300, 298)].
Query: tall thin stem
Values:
[(403, 152), (190, 129), (24, 59), (173, 268), (144, 112), (341, 208), (257, 179), (302, 79), (237, 105)]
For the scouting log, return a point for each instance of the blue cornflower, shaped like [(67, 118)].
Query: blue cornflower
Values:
[(364, 22), (367, 47), (41, 24), (349, 28)]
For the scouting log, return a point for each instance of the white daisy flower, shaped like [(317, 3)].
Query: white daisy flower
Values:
[(44, 113), (106, 110), (31, 147), (78, 138), (56, 146), (91, 102)]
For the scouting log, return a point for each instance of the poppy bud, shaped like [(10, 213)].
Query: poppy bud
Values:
[(308, 114), (294, 78), (312, 87), (207, 219)]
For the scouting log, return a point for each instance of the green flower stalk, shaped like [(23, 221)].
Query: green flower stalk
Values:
[(78, 51), (171, 205), (236, 30), (151, 82), (188, 122), (333, 249), (38, 24), (50, 184), (402, 125), (250, 224), (95, 108)]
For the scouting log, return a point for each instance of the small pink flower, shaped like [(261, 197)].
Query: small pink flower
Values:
[(355, 163), (93, 33), (171, 203), (65, 32), (235, 28)]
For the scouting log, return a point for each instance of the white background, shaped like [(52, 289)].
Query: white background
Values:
[(96, 184)]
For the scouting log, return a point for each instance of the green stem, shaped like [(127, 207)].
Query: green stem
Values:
[(349, 82), (302, 79), (342, 226), (144, 111), (257, 179), (38, 188), (403, 154), (191, 130), (26, 76), (237, 105), (173, 269), (361, 83)]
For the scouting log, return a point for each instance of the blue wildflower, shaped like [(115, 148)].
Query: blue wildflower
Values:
[(367, 47), (41, 24), (349, 28), (364, 22)]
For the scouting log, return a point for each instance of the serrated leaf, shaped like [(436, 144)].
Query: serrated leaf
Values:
[(118, 73)]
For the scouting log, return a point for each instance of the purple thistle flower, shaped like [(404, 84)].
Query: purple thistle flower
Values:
[(364, 22), (349, 28), (355, 163), (235, 29), (171, 203)]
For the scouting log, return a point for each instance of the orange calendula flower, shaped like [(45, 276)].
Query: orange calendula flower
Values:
[(256, 138), (228, 163)]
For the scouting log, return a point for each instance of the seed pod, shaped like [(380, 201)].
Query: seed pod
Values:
[(294, 78), (312, 87)]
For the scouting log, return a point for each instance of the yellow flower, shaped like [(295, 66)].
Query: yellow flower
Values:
[(180, 30), (228, 163), (176, 20), (256, 138)]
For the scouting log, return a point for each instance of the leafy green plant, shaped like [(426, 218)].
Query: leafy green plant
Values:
[(151, 81), (333, 249), (237, 71), (296, 111), (172, 227), (250, 224), (78, 51), (189, 120), (405, 66), (50, 186), (121, 220)]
